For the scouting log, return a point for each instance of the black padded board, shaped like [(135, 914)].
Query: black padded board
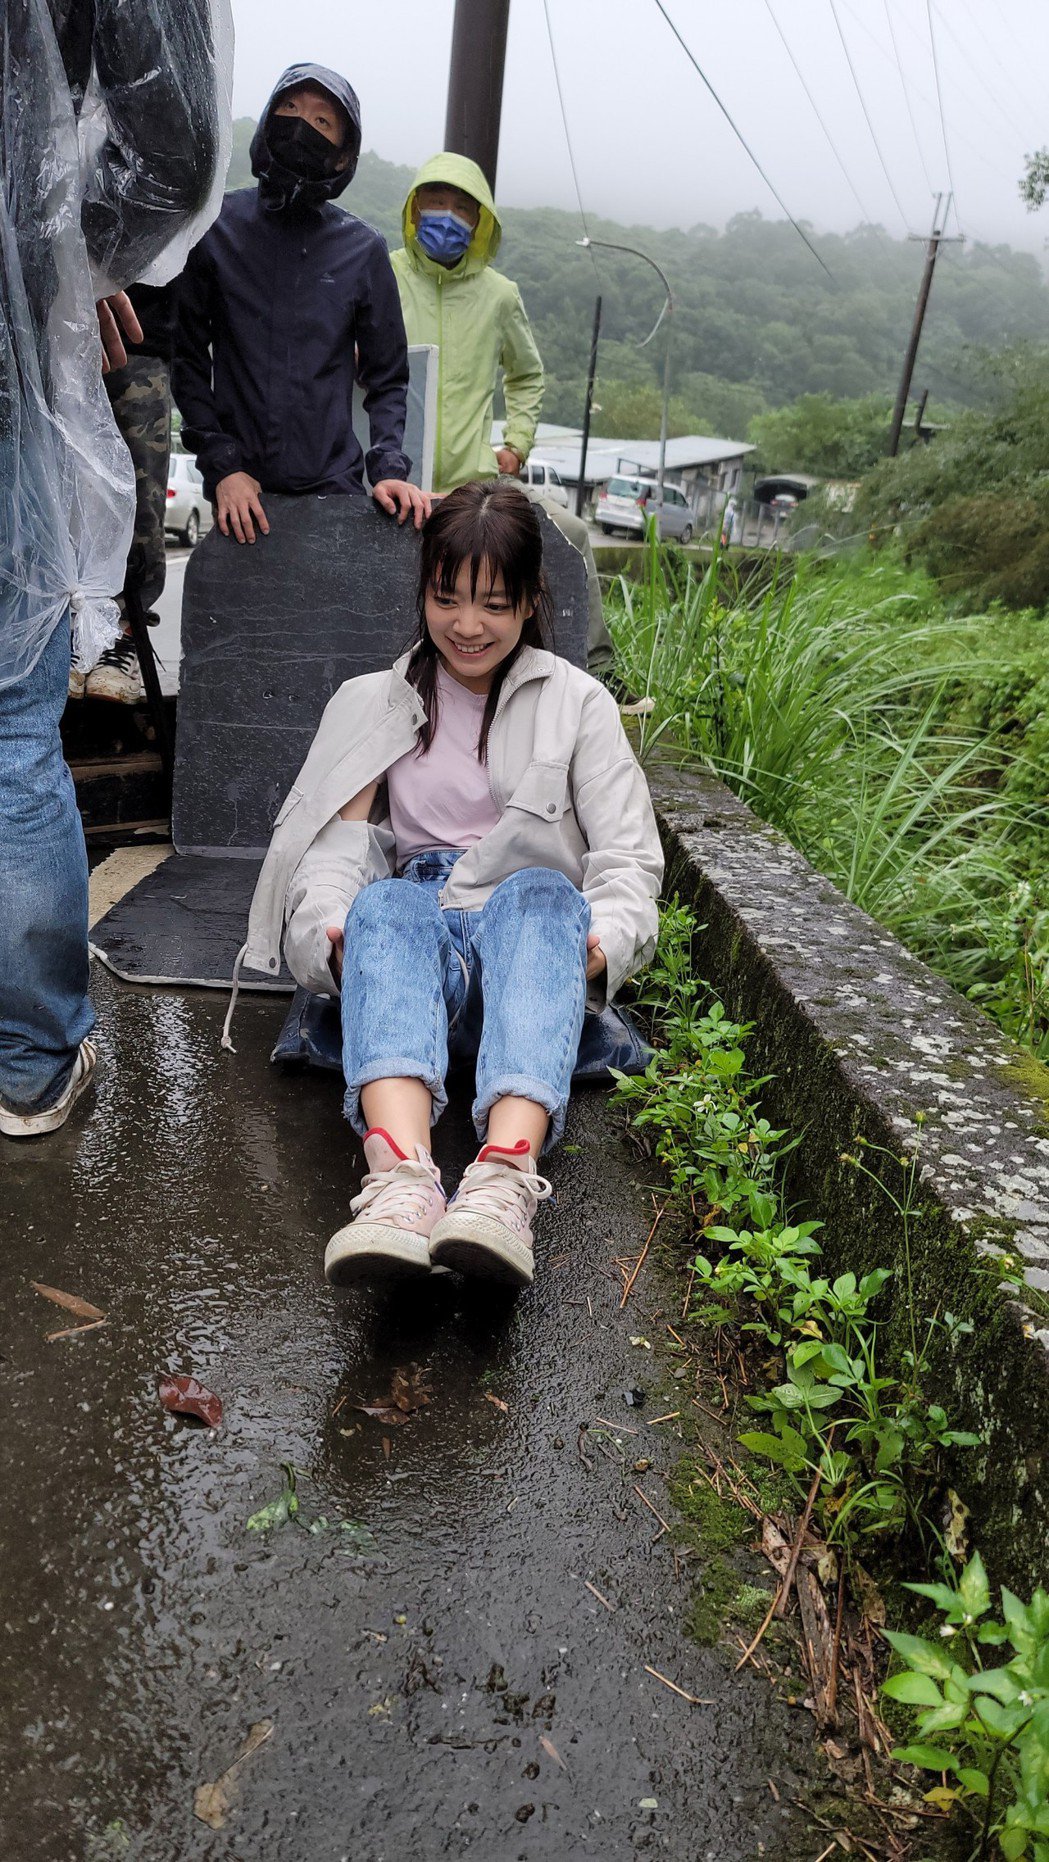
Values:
[(271, 629)]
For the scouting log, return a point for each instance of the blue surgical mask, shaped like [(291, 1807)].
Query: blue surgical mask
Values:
[(443, 236)]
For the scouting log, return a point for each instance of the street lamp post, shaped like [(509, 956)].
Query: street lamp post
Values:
[(608, 245)]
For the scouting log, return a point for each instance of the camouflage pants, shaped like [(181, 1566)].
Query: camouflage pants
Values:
[(140, 396)]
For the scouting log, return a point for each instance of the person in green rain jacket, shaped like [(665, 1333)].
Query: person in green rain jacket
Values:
[(453, 298), (474, 316)]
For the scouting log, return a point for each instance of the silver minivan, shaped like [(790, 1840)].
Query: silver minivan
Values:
[(626, 504)]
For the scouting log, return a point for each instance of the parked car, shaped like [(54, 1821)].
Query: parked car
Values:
[(188, 512), (626, 504), (546, 480)]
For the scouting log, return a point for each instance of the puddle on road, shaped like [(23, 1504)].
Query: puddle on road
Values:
[(149, 1630)]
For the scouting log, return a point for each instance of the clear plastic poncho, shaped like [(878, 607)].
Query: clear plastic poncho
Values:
[(116, 131)]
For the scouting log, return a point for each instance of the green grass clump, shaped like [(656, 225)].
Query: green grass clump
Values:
[(903, 750)]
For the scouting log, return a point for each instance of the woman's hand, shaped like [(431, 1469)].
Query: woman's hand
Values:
[(596, 961), (335, 935)]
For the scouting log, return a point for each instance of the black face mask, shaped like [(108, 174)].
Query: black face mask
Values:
[(301, 149)]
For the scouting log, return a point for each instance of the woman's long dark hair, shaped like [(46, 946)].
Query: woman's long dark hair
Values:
[(494, 527)]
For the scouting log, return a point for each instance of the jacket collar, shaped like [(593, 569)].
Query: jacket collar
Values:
[(531, 663)]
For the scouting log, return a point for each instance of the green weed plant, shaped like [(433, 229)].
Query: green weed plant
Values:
[(985, 1728)]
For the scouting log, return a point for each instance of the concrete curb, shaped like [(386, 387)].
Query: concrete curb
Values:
[(859, 1037)]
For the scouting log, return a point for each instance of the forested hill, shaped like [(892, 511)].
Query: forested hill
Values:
[(757, 321)]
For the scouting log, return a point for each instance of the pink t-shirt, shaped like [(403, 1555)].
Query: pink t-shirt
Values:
[(442, 798)]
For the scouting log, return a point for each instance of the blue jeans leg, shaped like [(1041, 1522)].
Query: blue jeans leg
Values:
[(530, 940), (44, 1007), (401, 979)]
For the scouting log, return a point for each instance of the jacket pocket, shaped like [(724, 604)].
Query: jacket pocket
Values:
[(542, 791)]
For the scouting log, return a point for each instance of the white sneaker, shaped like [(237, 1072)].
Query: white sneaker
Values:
[(399, 1202), (118, 675), (77, 682), (487, 1230), (34, 1124)]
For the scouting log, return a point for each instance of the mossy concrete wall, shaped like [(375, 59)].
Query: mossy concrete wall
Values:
[(862, 1040)]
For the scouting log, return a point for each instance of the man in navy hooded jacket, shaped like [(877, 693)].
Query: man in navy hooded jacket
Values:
[(282, 301)]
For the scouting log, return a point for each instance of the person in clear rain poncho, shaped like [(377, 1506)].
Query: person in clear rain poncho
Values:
[(116, 137)]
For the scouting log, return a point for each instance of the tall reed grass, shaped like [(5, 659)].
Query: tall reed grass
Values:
[(819, 696)]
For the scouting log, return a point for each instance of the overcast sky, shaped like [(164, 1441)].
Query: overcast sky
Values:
[(650, 142)]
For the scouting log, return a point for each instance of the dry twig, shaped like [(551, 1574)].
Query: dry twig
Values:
[(640, 1262)]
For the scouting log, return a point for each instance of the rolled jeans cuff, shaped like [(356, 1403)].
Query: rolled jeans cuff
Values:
[(522, 1086), (392, 1067)]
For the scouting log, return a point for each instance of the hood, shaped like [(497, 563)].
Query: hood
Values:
[(456, 171), (280, 189)]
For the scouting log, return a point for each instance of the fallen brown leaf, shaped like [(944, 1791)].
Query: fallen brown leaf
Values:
[(408, 1393), (551, 1751), (82, 1308), (184, 1396), (497, 1402), (212, 1803)]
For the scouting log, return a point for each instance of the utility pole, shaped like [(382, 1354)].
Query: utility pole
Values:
[(475, 82), (580, 490), (935, 241)]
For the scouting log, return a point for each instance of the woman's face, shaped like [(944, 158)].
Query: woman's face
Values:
[(474, 633)]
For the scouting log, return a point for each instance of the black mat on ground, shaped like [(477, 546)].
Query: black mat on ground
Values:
[(312, 1037), (271, 629), (183, 923)]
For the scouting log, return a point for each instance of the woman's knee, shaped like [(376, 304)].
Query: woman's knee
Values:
[(388, 902), (540, 889)]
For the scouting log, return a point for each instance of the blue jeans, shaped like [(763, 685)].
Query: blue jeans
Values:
[(44, 1008), (505, 985)]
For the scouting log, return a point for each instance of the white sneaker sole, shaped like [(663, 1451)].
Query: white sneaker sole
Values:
[(116, 687), (374, 1251), (38, 1124), (482, 1248)]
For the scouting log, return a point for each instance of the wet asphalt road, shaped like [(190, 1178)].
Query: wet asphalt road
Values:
[(146, 1630)]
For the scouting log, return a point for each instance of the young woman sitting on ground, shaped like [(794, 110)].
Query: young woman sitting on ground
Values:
[(487, 861)]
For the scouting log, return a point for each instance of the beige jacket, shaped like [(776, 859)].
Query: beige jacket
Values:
[(569, 790)]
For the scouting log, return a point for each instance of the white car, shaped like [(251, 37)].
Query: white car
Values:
[(188, 511), (546, 481), (626, 504)]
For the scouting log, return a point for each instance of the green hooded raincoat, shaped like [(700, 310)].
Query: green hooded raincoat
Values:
[(477, 320)]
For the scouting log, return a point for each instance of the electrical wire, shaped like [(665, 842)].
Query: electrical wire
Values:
[(958, 140), (867, 215), (907, 97), (740, 137), (867, 114), (568, 138), (1037, 111), (939, 106)]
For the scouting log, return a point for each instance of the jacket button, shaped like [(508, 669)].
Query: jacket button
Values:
[(273, 963), (551, 808)]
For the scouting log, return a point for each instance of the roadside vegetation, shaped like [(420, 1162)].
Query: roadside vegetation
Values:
[(904, 749), (861, 1452)]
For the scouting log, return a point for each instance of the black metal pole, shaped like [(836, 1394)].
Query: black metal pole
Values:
[(580, 490), (147, 660), (475, 82)]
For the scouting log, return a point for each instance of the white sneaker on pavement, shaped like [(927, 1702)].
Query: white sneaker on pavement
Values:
[(487, 1230), (118, 675), (15, 1124), (400, 1200)]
